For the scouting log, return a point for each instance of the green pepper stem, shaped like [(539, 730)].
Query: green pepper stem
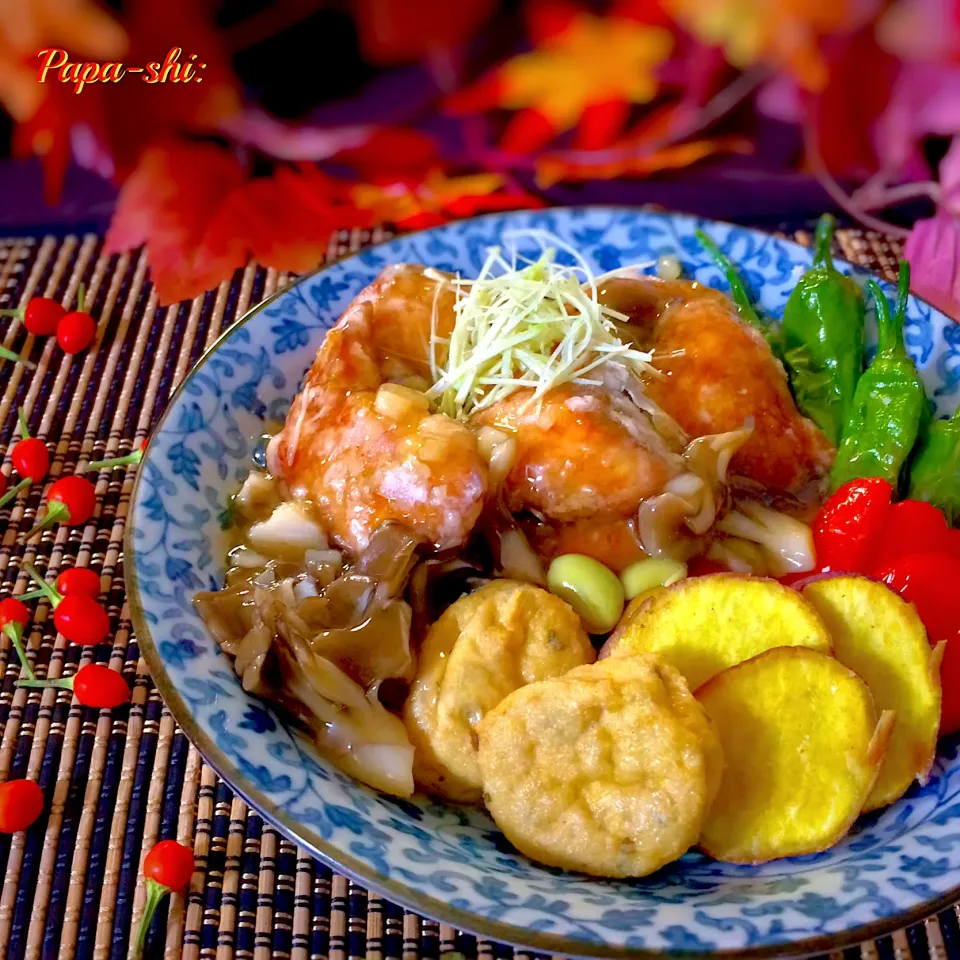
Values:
[(135, 456), (6, 354), (14, 490), (55, 511), (49, 592), (889, 333), (12, 631), (24, 426), (155, 893), (823, 241), (737, 288)]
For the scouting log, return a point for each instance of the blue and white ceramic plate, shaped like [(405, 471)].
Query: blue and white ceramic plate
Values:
[(449, 862)]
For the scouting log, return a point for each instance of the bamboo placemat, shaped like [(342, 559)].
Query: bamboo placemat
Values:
[(118, 781)]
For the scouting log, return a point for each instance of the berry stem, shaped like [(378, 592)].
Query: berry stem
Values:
[(24, 426), (81, 297), (12, 312), (31, 595), (6, 354), (14, 490), (155, 893), (56, 511), (61, 683), (12, 631), (49, 592), (135, 456)]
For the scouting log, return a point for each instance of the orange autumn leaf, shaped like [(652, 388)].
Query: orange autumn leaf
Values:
[(83, 27), (584, 70), (552, 170), (401, 201), (783, 33)]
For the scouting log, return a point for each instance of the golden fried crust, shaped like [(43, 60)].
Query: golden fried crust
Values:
[(483, 647), (717, 372), (608, 770)]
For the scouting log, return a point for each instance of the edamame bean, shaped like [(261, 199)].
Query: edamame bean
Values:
[(644, 574), (592, 589)]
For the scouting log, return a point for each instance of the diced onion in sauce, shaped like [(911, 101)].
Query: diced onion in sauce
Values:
[(396, 401)]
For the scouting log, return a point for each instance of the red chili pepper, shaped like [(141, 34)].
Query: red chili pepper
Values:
[(76, 330), (925, 579), (29, 455), (70, 500), (21, 803), (14, 616), (135, 456), (910, 526), (79, 580), (40, 316), (94, 685), (81, 620), (168, 866), (848, 523)]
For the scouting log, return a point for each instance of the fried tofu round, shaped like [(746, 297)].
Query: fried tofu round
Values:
[(706, 624), (879, 635), (503, 636), (609, 770), (801, 747)]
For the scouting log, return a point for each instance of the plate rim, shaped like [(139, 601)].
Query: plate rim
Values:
[(364, 873)]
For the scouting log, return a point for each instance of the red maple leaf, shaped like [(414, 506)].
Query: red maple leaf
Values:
[(171, 202), (201, 218), (404, 31)]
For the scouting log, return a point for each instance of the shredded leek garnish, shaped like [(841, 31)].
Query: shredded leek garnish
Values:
[(534, 326)]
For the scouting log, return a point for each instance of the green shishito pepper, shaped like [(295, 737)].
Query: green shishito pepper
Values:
[(823, 325), (738, 292), (935, 468), (889, 403)]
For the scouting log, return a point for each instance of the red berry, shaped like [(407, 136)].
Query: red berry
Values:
[(30, 458), (170, 864), (98, 686), (3, 484), (81, 620), (77, 495), (13, 611), (21, 802), (76, 331), (79, 580), (42, 315)]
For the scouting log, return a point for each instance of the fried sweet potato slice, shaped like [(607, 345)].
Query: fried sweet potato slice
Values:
[(706, 624), (880, 636), (609, 769), (802, 748), (482, 648)]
